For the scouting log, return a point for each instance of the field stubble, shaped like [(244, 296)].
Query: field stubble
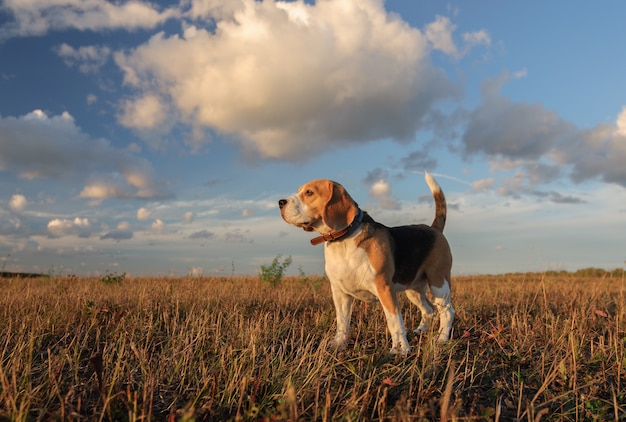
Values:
[(524, 347)]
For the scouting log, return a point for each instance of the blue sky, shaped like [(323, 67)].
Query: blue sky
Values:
[(156, 138)]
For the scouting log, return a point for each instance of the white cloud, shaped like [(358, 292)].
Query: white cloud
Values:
[(18, 203), (132, 183), (80, 227), (142, 177), (158, 226), (513, 130), (27, 245), (522, 73), (212, 9), (88, 58), (188, 217), (143, 214), (123, 225), (12, 225), (380, 188), (538, 141), (101, 190), (481, 185), (621, 122), (36, 146), (439, 34), (326, 74), (381, 191), (481, 37), (39, 17), (147, 112)]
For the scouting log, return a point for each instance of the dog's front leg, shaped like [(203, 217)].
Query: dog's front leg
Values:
[(399, 343), (343, 309), (395, 323)]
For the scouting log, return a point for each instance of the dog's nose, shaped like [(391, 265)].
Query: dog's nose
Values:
[(282, 203)]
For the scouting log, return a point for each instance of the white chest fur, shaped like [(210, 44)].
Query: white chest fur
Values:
[(349, 270)]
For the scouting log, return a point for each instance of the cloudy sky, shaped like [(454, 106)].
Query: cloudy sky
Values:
[(156, 138)]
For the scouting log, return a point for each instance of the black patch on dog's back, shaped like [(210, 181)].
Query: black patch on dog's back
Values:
[(410, 245)]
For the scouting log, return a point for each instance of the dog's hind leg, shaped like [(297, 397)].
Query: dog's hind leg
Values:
[(441, 299), (419, 299)]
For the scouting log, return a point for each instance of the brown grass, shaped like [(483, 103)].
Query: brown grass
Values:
[(525, 347)]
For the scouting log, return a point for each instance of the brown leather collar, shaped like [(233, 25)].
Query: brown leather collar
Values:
[(338, 234)]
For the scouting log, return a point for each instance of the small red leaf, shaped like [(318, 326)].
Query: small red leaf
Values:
[(601, 313), (390, 382)]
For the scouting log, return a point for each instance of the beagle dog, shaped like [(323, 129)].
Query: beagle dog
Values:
[(369, 261)]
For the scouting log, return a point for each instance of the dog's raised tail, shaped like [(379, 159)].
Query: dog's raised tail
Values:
[(440, 202)]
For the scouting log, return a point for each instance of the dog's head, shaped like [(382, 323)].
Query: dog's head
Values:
[(319, 205)]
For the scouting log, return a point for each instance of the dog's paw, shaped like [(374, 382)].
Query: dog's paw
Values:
[(400, 351), (339, 342), (425, 322), (443, 336), (401, 346)]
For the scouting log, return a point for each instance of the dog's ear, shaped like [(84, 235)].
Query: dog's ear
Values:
[(340, 209)]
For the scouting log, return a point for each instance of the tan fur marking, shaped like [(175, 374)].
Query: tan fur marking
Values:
[(321, 193), (340, 209), (381, 261), (386, 295), (329, 205)]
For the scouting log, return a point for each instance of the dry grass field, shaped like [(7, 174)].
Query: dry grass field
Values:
[(525, 347)]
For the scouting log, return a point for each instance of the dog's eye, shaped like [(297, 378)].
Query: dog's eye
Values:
[(308, 192)]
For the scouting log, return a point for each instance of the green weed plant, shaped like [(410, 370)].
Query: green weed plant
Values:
[(273, 273)]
